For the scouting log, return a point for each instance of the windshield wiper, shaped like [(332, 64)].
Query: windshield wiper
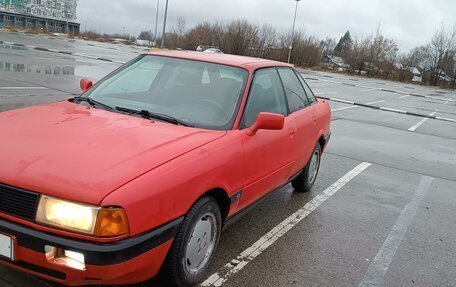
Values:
[(92, 102), (149, 115)]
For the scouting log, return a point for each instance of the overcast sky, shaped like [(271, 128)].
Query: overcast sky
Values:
[(410, 23)]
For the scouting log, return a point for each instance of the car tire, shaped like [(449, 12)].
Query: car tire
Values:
[(199, 233), (305, 181)]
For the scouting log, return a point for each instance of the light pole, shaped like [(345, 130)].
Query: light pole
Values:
[(292, 31), (156, 23), (66, 18), (164, 27)]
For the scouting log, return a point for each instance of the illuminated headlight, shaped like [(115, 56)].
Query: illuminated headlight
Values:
[(81, 218)]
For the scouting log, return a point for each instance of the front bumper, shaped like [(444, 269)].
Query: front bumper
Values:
[(128, 261)]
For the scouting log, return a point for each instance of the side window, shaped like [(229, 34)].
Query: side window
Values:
[(310, 94), (266, 95), (297, 99)]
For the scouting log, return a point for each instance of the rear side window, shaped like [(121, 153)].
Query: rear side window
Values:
[(296, 96), (266, 95), (310, 94)]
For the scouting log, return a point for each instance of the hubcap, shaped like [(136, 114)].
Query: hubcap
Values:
[(201, 243), (314, 165)]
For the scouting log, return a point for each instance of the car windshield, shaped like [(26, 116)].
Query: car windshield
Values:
[(204, 95)]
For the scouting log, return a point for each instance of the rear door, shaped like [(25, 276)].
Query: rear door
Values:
[(267, 157), (303, 115)]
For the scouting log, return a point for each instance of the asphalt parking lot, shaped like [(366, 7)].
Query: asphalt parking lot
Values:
[(381, 212)]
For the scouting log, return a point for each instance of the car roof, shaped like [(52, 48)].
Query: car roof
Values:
[(248, 63)]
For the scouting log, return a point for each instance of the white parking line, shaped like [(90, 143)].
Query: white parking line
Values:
[(353, 107), (373, 103), (393, 110), (325, 93), (23, 88), (380, 265), (346, 108), (415, 127), (236, 265)]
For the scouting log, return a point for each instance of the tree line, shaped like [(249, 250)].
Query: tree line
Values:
[(374, 56)]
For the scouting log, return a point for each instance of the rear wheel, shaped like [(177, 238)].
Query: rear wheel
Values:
[(305, 181), (195, 244)]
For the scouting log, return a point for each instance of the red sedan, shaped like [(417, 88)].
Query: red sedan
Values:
[(146, 167)]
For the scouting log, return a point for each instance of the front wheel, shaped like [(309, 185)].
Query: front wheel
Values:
[(305, 181), (195, 244)]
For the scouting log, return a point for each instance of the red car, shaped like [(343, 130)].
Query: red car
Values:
[(146, 167)]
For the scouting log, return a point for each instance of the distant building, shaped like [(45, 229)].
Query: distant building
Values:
[(413, 72), (334, 61), (57, 16)]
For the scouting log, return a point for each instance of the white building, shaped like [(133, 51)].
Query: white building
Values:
[(50, 15)]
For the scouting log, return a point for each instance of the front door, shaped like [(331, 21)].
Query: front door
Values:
[(303, 115), (267, 156)]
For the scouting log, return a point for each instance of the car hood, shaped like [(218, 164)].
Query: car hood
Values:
[(83, 154)]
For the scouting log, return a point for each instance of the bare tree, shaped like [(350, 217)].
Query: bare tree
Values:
[(199, 36), (240, 37), (180, 30), (382, 54), (359, 55), (327, 46), (266, 41), (218, 35), (439, 53), (145, 35)]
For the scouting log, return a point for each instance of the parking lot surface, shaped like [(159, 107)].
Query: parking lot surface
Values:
[(380, 213)]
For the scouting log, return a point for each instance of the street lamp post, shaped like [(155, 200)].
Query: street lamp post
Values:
[(67, 28), (292, 32), (164, 27), (156, 23)]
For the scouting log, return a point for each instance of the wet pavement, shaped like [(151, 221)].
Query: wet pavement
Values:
[(392, 224)]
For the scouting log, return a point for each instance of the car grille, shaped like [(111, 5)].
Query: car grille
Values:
[(18, 202)]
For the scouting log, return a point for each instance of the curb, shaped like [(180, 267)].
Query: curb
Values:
[(63, 52), (385, 109)]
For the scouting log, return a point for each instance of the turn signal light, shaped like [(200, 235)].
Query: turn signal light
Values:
[(111, 222)]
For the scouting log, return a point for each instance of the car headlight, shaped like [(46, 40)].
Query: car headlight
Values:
[(82, 218)]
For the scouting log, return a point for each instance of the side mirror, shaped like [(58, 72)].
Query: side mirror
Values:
[(85, 84), (266, 121)]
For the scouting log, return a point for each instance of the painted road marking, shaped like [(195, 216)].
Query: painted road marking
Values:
[(344, 101), (353, 107), (415, 127), (326, 93), (389, 110), (346, 108), (23, 88), (65, 52), (377, 102), (380, 89), (236, 265), (393, 110), (378, 268)]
